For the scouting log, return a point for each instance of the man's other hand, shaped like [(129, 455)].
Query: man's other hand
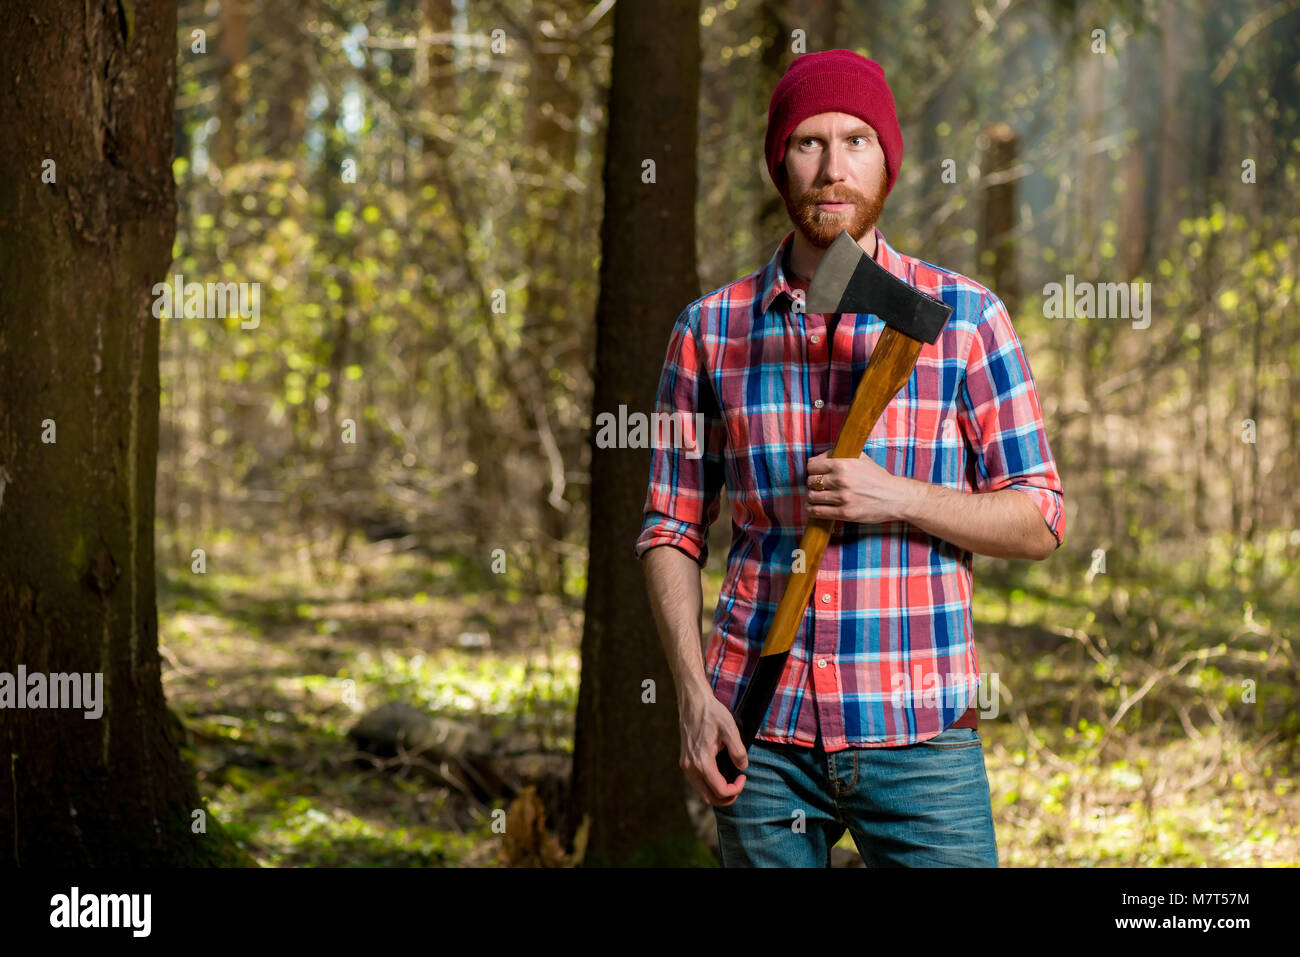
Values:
[(707, 727)]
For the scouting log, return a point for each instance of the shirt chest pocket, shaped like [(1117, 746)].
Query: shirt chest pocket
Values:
[(919, 439)]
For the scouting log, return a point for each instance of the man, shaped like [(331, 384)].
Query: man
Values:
[(872, 726)]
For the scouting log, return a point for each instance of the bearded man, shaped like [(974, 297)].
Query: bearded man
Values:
[(873, 726)]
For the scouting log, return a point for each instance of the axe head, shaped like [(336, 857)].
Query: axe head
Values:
[(848, 280)]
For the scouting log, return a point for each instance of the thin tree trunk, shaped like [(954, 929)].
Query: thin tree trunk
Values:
[(232, 45), (773, 220), (551, 132), (1174, 120), (999, 217), (1090, 86), (286, 113), (626, 775)]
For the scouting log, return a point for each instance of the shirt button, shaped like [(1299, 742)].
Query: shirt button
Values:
[(826, 598), (816, 339), (821, 663), (818, 404)]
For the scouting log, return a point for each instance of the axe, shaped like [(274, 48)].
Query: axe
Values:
[(847, 280)]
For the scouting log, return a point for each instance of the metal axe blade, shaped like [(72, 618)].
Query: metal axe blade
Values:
[(848, 280)]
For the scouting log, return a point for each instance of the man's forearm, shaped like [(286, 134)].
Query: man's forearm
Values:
[(1003, 524), (677, 601)]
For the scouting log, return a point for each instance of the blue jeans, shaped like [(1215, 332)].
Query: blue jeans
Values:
[(921, 805)]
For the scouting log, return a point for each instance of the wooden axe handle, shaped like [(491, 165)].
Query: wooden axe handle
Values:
[(888, 369)]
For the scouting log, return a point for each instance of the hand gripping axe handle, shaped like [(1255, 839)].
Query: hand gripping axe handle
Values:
[(847, 280)]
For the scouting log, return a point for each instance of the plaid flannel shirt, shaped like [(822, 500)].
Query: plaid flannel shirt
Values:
[(885, 655)]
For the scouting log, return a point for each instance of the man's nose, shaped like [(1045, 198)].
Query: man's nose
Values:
[(834, 166)]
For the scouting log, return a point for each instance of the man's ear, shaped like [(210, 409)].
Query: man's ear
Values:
[(783, 174)]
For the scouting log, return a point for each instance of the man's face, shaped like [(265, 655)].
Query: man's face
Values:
[(834, 157)]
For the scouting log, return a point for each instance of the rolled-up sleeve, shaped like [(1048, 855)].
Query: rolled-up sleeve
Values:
[(1003, 419), (686, 470)]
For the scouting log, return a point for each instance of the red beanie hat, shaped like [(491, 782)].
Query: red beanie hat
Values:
[(835, 81)]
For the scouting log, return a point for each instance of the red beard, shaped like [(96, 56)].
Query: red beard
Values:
[(820, 227)]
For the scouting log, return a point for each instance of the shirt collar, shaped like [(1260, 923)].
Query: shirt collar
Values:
[(774, 278)]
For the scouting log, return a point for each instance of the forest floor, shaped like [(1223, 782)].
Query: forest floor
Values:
[(1144, 719)]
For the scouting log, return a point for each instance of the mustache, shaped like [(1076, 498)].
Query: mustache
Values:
[(851, 198)]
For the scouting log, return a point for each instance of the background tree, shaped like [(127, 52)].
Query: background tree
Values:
[(79, 434), (626, 751)]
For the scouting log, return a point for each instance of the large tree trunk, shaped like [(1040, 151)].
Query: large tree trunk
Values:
[(626, 773), (89, 86)]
